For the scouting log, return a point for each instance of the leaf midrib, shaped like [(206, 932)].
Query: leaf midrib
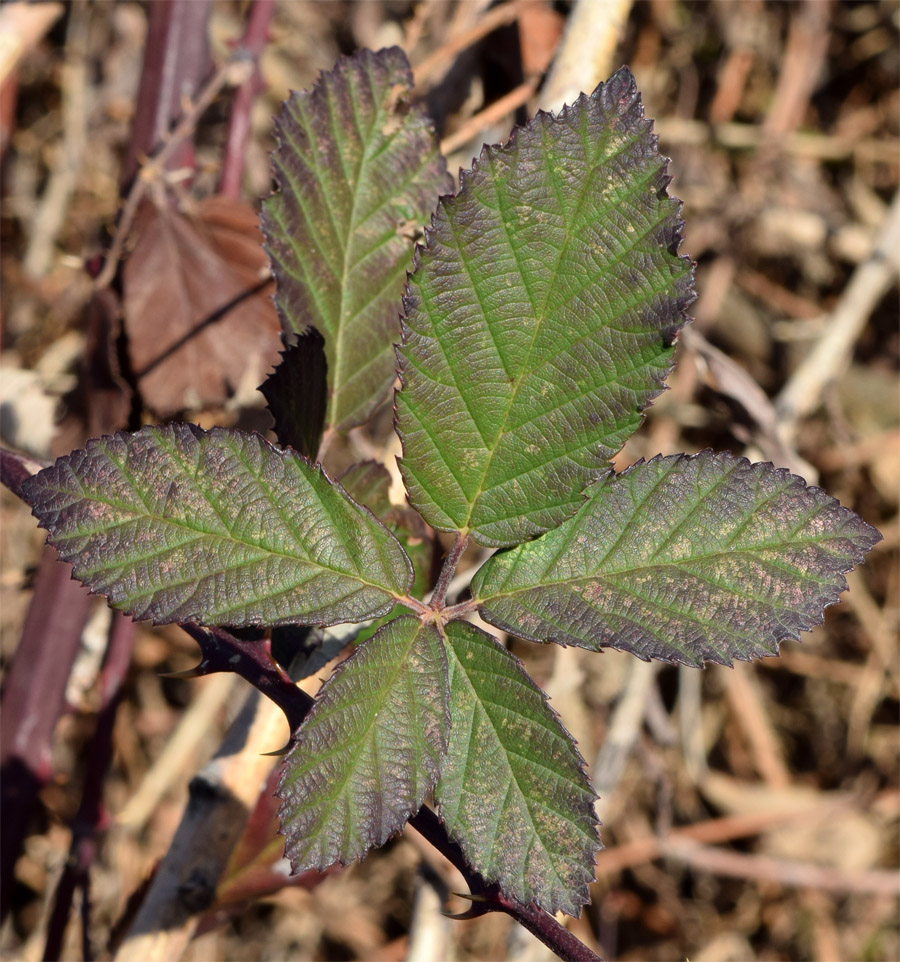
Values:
[(527, 800), (366, 739), (228, 539), (675, 563)]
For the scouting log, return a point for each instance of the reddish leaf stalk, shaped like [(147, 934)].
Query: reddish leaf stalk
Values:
[(89, 819), (449, 569), (252, 44), (34, 695)]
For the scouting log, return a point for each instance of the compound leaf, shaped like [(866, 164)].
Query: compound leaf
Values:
[(512, 790), (370, 748), (357, 169), (174, 523), (684, 559), (540, 318)]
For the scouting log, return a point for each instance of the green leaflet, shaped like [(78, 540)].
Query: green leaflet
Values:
[(369, 750), (540, 318), (357, 169), (683, 559), (513, 791), (175, 523)]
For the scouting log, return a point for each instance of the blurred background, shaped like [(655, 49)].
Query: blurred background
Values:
[(748, 813)]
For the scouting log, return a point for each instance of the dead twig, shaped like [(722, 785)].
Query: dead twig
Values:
[(751, 714), (233, 72), (22, 25), (715, 830), (829, 358), (54, 203), (488, 117), (500, 16), (764, 868), (585, 55)]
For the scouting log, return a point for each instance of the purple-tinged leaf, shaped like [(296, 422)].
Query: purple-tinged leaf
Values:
[(684, 559), (296, 394), (357, 170), (513, 791), (540, 319), (369, 750), (175, 523)]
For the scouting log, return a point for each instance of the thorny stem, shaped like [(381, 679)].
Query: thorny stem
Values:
[(556, 937), (449, 569), (221, 651)]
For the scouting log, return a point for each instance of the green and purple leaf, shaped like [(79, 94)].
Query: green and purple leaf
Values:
[(684, 559), (540, 319), (369, 750), (357, 168), (513, 791), (177, 524)]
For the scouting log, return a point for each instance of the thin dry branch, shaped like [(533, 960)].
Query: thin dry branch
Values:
[(500, 16), (828, 360), (764, 868), (233, 72)]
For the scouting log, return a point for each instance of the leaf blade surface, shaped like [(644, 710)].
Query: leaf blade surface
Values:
[(540, 319), (512, 790), (369, 750), (356, 168), (684, 559), (175, 523)]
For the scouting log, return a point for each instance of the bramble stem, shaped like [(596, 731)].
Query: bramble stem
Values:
[(556, 937), (460, 610), (449, 569), (413, 604)]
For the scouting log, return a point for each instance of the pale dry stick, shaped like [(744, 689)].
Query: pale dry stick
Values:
[(500, 16), (866, 698), (488, 117), (623, 731), (816, 666), (724, 829), (764, 868), (727, 377), (740, 136), (54, 203), (801, 65), (690, 722), (180, 750), (233, 72), (877, 627), (429, 928), (222, 796), (828, 360), (825, 936), (585, 55), (21, 27), (750, 713)]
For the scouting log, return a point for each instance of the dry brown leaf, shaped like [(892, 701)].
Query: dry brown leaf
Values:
[(187, 348)]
